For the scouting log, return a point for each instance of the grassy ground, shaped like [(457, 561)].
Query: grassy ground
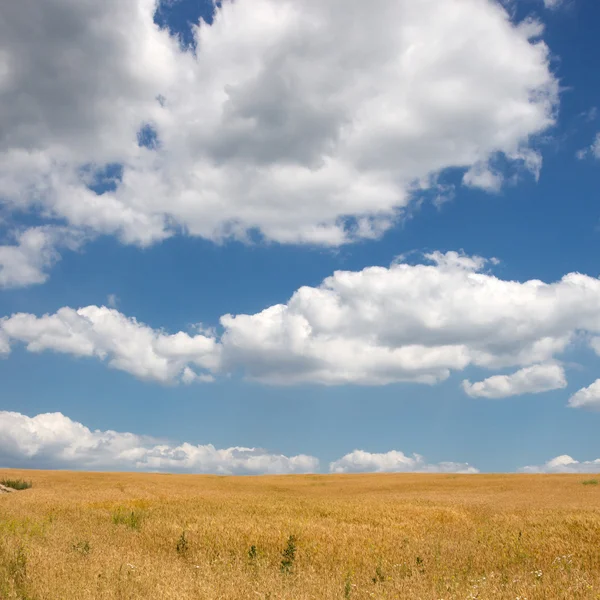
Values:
[(79, 536)]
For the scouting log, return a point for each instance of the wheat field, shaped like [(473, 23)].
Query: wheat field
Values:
[(80, 536)]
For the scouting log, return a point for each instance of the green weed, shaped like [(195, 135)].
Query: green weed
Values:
[(132, 518), (16, 484), (289, 555)]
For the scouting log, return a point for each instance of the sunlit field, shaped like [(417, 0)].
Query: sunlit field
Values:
[(92, 535)]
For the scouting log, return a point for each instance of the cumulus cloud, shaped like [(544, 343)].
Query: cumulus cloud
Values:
[(587, 397), (411, 323), (125, 343), (305, 122), (565, 464), (394, 461), (530, 380), (36, 249), (407, 322), (55, 441)]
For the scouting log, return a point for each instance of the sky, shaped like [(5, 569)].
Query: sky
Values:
[(270, 236)]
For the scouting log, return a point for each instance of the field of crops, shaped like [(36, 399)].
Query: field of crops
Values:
[(111, 536)]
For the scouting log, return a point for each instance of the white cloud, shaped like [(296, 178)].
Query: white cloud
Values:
[(410, 323), (587, 397), (529, 380), (565, 464), (36, 250), (290, 119), (380, 325), (394, 461), (55, 441), (128, 345)]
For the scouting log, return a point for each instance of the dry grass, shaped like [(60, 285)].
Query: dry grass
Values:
[(79, 536)]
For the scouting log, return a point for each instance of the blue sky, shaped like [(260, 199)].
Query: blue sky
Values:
[(291, 143)]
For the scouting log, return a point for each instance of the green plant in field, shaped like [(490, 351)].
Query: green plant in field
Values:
[(132, 518), (16, 484), (253, 552), (404, 571), (590, 482), (13, 573), (19, 566), (379, 575), (348, 586), (82, 547), (182, 544), (289, 555)]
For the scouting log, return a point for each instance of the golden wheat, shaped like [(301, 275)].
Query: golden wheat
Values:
[(78, 536)]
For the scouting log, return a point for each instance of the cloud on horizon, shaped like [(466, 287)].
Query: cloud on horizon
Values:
[(394, 461), (565, 464), (53, 441)]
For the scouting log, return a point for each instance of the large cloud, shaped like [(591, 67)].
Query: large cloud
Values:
[(376, 326), (411, 323), (565, 464), (394, 461), (308, 122), (530, 380), (55, 441)]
